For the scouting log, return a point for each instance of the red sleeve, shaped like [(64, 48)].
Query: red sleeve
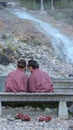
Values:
[(32, 85)]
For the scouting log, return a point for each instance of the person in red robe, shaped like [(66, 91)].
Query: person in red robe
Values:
[(17, 80), (39, 81)]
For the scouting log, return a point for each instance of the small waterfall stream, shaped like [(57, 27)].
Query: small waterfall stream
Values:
[(62, 44)]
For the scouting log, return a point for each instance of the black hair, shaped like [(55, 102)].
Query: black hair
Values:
[(21, 63), (33, 63)]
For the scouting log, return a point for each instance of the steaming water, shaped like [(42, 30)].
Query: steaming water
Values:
[(62, 44)]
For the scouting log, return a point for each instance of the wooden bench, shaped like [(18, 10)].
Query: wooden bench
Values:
[(63, 93)]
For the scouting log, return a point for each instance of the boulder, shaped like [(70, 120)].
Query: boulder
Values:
[(3, 59)]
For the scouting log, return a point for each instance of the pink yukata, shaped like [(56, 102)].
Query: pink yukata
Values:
[(40, 81), (17, 81)]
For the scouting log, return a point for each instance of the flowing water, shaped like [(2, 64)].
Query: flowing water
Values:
[(62, 44)]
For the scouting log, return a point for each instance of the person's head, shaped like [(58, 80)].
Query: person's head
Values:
[(21, 64), (32, 64)]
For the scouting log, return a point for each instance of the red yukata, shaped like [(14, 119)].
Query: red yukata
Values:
[(40, 81), (17, 81)]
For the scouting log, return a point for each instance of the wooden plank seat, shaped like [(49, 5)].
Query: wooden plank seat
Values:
[(63, 93)]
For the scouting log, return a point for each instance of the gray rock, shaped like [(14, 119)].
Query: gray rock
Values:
[(3, 59)]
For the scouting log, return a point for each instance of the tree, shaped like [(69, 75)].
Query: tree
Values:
[(52, 5), (42, 5)]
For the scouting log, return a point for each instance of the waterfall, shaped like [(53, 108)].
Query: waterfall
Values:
[(62, 44)]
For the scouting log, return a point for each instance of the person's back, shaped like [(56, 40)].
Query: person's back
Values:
[(17, 81), (39, 81)]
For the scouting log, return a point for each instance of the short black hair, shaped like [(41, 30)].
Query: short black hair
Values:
[(33, 63), (21, 63)]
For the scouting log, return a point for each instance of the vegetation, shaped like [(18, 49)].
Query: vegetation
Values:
[(4, 36), (48, 4), (30, 4), (67, 4)]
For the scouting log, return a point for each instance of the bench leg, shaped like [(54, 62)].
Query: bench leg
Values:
[(0, 108), (63, 111)]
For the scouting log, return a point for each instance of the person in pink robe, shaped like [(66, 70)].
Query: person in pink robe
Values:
[(17, 80), (39, 81)]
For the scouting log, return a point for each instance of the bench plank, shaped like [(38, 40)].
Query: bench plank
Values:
[(63, 93), (54, 96), (62, 98)]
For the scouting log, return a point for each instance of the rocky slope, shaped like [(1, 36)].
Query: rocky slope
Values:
[(21, 39)]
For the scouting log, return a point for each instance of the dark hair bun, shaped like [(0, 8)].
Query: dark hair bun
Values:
[(21, 63)]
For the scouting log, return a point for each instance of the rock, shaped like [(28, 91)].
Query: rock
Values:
[(8, 51), (70, 127), (47, 110), (10, 118), (3, 4), (1, 24), (11, 4), (70, 75), (4, 60)]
